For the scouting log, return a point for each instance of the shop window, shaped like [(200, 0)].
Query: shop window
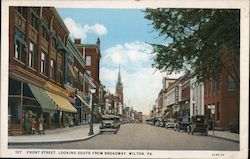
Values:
[(26, 91), (14, 108), (23, 11), (44, 66), (230, 83), (14, 87)]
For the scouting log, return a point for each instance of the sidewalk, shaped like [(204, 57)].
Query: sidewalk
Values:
[(76, 133), (225, 135)]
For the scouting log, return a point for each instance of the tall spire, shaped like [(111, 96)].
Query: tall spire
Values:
[(119, 81), (119, 76)]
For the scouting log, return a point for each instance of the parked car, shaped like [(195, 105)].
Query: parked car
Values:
[(182, 124), (199, 123), (170, 123), (110, 123)]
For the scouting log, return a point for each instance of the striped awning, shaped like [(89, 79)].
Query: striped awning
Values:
[(62, 103), (42, 98)]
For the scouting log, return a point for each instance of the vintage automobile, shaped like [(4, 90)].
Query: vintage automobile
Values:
[(199, 123), (182, 124), (170, 123), (110, 123)]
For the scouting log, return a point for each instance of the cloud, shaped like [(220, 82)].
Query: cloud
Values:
[(141, 82), (135, 52), (81, 31)]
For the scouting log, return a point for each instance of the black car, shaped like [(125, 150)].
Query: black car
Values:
[(199, 123)]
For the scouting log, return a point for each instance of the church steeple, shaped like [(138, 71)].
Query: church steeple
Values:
[(119, 87)]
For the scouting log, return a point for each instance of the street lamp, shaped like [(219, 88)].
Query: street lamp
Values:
[(91, 132)]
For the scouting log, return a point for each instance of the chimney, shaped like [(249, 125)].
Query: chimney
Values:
[(77, 41)]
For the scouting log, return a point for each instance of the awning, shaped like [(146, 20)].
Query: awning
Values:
[(42, 98), (84, 102), (62, 103)]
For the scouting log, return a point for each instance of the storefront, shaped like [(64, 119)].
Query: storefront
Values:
[(83, 108), (27, 98), (66, 110)]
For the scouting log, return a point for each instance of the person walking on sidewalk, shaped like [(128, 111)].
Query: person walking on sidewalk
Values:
[(26, 123), (41, 129)]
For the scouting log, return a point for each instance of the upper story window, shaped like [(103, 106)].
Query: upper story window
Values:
[(54, 42), (33, 55), (44, 33), (230, 83), (44, 65), (218, 85), (23, 11), (52, 69), (59, 73), (34, 21), (89, 72), (88, 60), (20, 51)]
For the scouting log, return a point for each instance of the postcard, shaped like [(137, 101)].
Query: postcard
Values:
[(124, 79)]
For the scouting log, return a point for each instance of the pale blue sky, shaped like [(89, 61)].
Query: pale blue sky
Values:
[(123, 33)]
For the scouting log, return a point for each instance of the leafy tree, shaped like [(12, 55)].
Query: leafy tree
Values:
[(202, 40)]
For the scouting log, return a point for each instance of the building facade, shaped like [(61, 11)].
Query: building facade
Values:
[(36, 68)]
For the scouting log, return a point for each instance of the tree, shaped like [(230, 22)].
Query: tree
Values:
[(202, 40)]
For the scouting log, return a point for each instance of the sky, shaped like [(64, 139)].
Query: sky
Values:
[(124, 35)]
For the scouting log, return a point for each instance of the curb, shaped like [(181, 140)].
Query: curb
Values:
[(224, 138), (53, 142)]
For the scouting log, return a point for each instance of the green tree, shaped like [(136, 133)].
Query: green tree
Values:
[(202, 40)]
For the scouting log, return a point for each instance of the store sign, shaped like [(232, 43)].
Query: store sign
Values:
[(54, 88)]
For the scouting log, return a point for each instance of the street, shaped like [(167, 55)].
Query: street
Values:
[(143, 137)]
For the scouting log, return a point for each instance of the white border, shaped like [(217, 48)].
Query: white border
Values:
[(244, 67)]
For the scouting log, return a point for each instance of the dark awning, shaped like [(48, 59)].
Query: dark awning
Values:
[(42, 98)]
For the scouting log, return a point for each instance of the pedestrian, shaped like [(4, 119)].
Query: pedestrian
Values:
[(33, 125), (26, 123), (41, 129), (30, 121)]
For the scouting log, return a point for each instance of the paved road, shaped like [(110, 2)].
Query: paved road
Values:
[(144, 137)]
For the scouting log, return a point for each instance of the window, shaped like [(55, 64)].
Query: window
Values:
[(89, 72), (218, 85), (34, 21), (230, 84), (32, 55), (52, 69), (54, 42), (23, 11), (88, 60), (218, 111), (20, 51), (44, 33), (44, 69), (59, 73), (213, 86), (209, 87)]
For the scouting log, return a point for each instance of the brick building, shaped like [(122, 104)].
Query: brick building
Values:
[(224, 95), (36, 67)]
